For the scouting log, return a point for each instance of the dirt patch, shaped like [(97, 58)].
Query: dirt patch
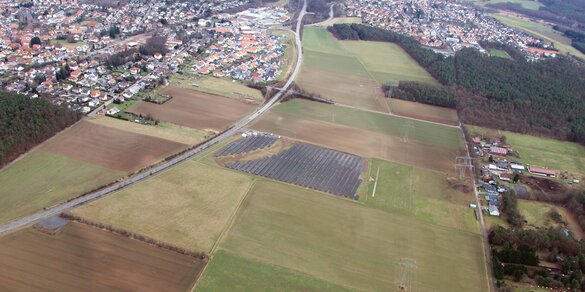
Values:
[(362, 142), (543, 184), (112, 148), (83, 258), (195, 109), (459, 185)]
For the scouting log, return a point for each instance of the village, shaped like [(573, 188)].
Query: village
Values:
[(447, 25), (88, 56)]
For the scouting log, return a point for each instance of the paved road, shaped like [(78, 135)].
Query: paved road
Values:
[(12, 226)]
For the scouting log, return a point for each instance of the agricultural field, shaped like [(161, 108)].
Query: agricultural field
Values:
[(163, 130), (73, 162), (421, 194), (83, 258), (300, 164), (562, 43), (351, 245), (555, 154), (528, 4), (111, 148), (195, 109), (218, 86), (339, 20), (230, 272), (188, 206), (351, 72), (368, 134), (499, 54), (421, 111)]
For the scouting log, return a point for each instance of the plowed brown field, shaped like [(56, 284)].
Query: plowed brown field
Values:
[(111, 148), (83, 258), (195, 109)]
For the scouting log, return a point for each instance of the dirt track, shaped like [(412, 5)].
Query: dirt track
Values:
[(111, 148), (83, 258), (195, 109)]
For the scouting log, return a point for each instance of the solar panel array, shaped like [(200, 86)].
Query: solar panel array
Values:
[(311, 167), (247, 144)]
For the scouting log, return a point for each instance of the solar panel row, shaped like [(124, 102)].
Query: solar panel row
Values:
[(311, 167), (247, 144)]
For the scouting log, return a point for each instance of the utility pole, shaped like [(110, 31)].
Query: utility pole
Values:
[(408, 265)]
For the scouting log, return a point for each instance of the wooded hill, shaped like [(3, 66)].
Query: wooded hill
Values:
[(544, 98), (26, 122)]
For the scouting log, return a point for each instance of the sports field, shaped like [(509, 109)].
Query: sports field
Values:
[(539, 30), (352, 245), (188, 206), (421, 194), (499, 53), (559, 155), (351, 72), (230, 272), (368, 134), (218, 86), (422, 111), (195, 109), (82, 258)]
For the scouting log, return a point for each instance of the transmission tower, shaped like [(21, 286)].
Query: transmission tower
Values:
[(408, 265), (463, 163), (407, 126)]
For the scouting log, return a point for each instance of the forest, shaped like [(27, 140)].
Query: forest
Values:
[(26, 122), (544, 98)]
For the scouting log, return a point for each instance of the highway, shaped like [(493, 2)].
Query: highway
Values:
[(15, 225)]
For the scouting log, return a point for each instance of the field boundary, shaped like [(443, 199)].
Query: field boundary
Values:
[(136, 236)]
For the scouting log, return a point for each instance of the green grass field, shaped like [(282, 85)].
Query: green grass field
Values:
[(423, 111), (339, 20), (421, 194), (188, 206), (499, 53), (425, 133), (528, 4), (545, 32), (559, 155), (218, 86), (351, 72), (41, 179), (230, 272), (352, 245), (164, 130)]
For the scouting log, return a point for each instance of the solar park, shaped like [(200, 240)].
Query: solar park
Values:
[(302, 164)]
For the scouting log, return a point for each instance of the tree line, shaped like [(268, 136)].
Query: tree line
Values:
[(26, 122), (545, 98)]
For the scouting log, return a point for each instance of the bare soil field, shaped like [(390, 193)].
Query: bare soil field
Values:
[(82, 258), (361, 142), (195, 109), (425, 112), (111, 148)]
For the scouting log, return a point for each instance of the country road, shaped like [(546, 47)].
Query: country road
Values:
[(12, 226)]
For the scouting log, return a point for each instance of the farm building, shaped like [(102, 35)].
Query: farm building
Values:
[(498, 150), (541, 171)]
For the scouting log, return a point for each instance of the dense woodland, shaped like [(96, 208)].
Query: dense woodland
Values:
[(541, 98), (26, 122)]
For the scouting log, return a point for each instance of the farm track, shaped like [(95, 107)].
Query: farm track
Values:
[(53, 211)]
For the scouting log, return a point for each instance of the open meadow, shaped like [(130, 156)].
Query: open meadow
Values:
[(351, 72), (555, 154), (73, 162), (195, 109), (352, 245), (422, 111), (369, 134), (528, 4), (499, 53), (421, 194), (218, 86), (83, 258), (188, 206), (562, 43)]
